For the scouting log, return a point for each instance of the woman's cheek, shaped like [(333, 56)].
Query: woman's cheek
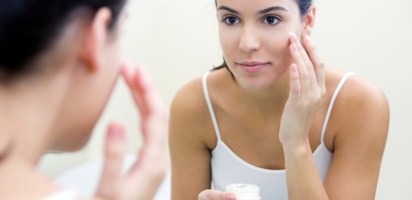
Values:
[(280, 47), (229, 50)]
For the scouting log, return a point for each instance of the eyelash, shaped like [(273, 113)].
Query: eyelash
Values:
[(278, 20), (225, 20)]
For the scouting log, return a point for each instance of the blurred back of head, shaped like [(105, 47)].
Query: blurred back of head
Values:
[(30, 27)]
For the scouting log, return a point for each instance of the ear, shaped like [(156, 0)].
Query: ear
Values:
[(309, 20), (94, 39)]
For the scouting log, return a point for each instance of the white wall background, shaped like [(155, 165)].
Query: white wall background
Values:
[(177, 39)]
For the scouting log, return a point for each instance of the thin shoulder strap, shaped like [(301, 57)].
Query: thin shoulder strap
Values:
[(332, 101), (209, 105)]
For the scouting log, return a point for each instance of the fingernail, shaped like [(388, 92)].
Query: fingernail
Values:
[(230, 197), (116, 132), (293, 36), (126, 67)]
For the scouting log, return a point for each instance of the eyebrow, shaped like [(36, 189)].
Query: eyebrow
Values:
[(266, 10), (272, 9), (228, 9)]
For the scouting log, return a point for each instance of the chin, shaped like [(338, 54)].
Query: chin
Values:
[(256, 86), (257, 83), (78, 145), (75, 141), (70, 146)]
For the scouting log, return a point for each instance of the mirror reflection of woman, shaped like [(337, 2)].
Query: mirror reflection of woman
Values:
[(59, 61), (275, 115)]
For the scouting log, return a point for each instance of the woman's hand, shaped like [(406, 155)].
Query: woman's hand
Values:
[(216, 195), (145, 176), (307, 89)]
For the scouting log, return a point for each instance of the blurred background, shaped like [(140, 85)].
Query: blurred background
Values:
[(178, 41)]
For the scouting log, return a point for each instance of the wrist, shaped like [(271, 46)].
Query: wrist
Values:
[(296, 147)]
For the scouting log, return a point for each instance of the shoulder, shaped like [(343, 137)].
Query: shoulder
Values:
[(360, 121), (360, 98), (189, 99), (360, 112), (190, 121)]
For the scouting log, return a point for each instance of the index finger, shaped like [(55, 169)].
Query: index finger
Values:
[(143, 89), (318, 63)]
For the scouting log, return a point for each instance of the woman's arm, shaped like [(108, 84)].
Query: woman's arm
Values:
[(190, 156), (363, 117), (307, 90), (358, 144)]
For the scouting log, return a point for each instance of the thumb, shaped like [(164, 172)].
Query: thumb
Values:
[(216, 195), (115, 149)]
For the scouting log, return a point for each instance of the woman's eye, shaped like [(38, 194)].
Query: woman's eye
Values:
[(272, 20), (231, 20)]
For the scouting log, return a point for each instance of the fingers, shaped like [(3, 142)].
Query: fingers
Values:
[(153, 115), (304, 73), (151, 158), (143, 89), (318, 63), (306, 57), (149, 95), (127, 72), (216, 195), (302, 51), (294, 90), (115, 148), (147, 98), (129, 75), (153, 125)]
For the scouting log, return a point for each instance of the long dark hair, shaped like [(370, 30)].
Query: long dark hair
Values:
[(29, 27)]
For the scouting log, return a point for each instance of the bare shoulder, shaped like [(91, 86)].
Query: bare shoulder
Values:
[(361, 98), (191, 138), (360, 121), (189, 99), (361, 110), (190, 120)]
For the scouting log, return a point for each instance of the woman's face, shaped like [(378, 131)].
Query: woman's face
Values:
[(254, 36)]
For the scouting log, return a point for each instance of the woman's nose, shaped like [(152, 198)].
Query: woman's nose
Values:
[(249, 41)]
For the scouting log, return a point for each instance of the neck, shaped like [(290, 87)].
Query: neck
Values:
[(269, 99), (27, 112), (17, 176)]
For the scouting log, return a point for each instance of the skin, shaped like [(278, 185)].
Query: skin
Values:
[(286, 100), (57, 109)]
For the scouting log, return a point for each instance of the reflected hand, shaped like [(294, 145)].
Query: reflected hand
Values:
[(147, 173), (307, 89), (216, 195)]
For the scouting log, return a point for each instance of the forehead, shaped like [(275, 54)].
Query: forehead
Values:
[(256, 5)]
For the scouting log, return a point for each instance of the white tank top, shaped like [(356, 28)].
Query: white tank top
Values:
[(229, 168)]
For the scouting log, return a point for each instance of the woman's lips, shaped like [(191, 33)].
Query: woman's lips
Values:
[(253, 66)]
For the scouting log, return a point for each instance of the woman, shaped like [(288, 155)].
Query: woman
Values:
[(59, 61), (274, 115)]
